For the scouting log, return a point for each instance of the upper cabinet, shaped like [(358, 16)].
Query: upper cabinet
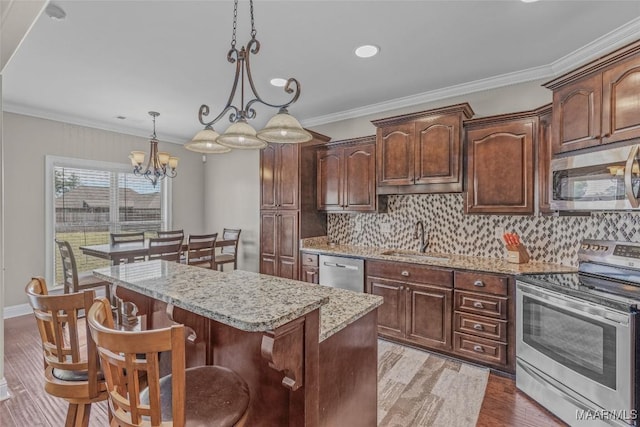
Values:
[(421, 152), (346, 176), (279, 176), (544, 158), (597, 103), (500, 164)]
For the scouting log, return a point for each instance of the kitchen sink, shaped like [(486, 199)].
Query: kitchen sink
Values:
[(416, 256)]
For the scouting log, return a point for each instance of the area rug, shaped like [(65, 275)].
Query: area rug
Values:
[(417, 388)]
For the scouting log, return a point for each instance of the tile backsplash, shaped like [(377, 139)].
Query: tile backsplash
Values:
[(548, 238)]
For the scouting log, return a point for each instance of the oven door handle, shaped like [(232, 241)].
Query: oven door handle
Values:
[(575, 305), (628, 174)]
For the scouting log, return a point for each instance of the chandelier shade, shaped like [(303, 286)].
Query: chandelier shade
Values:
[(205, 142), (241, 135), (161, 164), (282, 128)]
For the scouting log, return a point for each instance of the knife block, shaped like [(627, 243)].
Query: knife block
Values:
[(518, 254)]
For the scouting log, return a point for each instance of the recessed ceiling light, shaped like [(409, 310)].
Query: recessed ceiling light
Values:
[(55, 12), (528, 1), (367, 51), (278, 82)]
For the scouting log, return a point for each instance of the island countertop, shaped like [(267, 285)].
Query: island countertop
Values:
[(248, 301)]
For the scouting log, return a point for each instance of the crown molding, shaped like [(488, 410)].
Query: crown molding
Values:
[(10, 107), (593, 50)]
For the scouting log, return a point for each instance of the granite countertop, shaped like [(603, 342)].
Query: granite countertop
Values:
[(461, 262), (241, 299)]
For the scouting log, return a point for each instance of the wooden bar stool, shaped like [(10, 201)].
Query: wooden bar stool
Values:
[(71, 366), (200, 396)]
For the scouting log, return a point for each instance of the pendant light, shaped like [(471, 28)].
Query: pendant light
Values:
[(160, 165), (205, 142), (282, 128)]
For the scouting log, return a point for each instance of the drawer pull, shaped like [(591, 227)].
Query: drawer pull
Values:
[(478, 283), (478, 304), (478, 327), (478, 349), (405, 273)]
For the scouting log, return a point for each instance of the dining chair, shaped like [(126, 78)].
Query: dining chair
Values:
[(229, 253), (204, 396), (201, 250), (73, 280), (171, 233), (166, 248), (137, 237), (71, 360)]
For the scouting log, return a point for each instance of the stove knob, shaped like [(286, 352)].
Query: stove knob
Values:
[(584, 246)]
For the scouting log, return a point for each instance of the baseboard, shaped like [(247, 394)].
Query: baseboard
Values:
[(4, 389), (17, 310)]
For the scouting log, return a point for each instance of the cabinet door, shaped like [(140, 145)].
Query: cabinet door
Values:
[(429, 316), (268, 242), (621, 102), (391, 314), (329, 180), (287, 176), (500, 168), (268, 170), (544, 162), (395, 154), (287, 245), (577, 112), (438, 151), (360, 177)]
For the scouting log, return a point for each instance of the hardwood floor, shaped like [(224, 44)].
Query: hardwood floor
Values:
[(29, 405)]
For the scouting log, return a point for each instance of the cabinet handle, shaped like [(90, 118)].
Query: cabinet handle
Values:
[(478, 327), (478, 283), (478, 349), (478, 304), (401, 288), (405, 273)]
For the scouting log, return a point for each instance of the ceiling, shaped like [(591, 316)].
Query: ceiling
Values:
[(124, 58)]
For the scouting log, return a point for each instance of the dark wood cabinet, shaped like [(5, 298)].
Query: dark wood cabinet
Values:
[(346, 176), (545, 153), (279, 176), (500, 164), (417, 303), (598, 102), (309, 268), (484, 313), (288, 212), (421, 152)]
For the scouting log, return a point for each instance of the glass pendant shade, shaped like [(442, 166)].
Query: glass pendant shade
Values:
[(283, 128), (241, 135), (205, 142)]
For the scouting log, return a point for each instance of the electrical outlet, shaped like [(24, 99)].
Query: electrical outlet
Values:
[(385, 227), (499, 232)]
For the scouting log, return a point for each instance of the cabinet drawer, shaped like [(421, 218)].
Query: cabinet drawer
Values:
[(478, 282), (482, 304), (481, 326), (481, 349), (406, 272), (310, 259)]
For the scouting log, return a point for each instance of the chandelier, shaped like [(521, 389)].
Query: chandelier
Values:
[(282, 128), (160, 165)]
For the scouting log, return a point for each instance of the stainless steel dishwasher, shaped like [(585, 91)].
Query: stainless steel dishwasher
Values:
[(342, 272)]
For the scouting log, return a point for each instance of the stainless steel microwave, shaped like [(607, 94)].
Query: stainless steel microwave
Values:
[(601, 180)]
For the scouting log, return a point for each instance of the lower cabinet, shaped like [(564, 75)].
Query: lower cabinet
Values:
[(461, 313), (278, 243), (309, 268), (417, 303)]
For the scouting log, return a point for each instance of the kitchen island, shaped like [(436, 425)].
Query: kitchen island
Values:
[(308, 352)]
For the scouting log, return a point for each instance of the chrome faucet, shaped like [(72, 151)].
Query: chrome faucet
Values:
[(424, 242)]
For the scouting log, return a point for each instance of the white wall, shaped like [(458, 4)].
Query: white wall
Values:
[(27, 140), (232, 200)]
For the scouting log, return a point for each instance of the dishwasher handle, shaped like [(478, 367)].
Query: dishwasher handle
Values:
[(335, 264)]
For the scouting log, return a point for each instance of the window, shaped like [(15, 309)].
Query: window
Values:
[(89, 200)]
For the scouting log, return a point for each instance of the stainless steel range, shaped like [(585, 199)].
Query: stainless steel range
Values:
[(577, 337)]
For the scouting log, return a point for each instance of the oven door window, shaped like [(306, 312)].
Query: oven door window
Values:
[(577, 342), (594, 183)]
